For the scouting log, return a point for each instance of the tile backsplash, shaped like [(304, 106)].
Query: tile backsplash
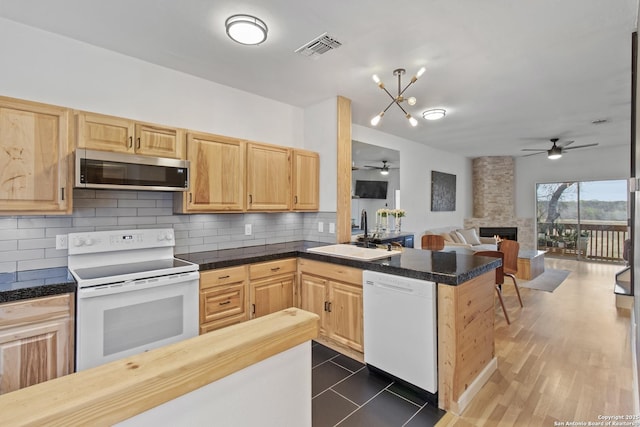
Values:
[(29, 242)]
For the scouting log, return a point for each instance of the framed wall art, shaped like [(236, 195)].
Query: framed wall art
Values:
[(443, 192)]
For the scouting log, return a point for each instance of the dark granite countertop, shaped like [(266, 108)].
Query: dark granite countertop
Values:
[(29, 284), (445, 267)]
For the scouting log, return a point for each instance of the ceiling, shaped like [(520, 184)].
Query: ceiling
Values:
[(510, 74)]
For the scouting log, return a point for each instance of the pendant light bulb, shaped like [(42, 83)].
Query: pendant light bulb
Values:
[(411, 101), (420, 72), (376, 78), (413, 121), (376, 119)]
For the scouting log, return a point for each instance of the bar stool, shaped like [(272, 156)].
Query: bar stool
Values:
[(433, 242), (499, 277), (510, 249)]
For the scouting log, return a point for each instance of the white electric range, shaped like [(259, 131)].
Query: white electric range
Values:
[(133, 294)]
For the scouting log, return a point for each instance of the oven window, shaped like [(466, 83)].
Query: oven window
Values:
[(133, 326)]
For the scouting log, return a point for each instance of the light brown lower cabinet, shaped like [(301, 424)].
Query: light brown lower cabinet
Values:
[(36, 341), (272, 285), (223, 298), (334, 293)]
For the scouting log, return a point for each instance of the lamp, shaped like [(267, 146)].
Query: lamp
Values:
[(434, 114), (399, 98), (246, 29), (554, 153)]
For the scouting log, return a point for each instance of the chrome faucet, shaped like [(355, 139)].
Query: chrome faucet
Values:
[(363, 226)]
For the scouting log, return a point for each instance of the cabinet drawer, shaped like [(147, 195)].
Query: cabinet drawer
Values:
[(18, 313), (271, 268), (222, 323), (217, 303), (222, 276), (332, 271)]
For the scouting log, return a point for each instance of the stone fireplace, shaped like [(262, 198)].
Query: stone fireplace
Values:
[(494, 199)]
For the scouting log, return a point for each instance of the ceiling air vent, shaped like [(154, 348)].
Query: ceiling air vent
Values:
[(316, 47)]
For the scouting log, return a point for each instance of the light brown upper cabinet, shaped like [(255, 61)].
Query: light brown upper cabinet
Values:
[(35, 146), (305, 167), (217, 174), (108, 133), (268, 177)]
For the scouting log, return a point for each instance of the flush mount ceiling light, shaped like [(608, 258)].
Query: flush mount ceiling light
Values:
[(246, 29), (399, 98), (434, 114)]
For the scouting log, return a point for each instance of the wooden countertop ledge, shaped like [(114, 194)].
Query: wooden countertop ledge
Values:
[(121, 389)]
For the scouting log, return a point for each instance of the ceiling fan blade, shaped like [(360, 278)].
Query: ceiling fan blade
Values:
[(533, 154), (534, 149), (565, 144), (373, 167), (581, 146)]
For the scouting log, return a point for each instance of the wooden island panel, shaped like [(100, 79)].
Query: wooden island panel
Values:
[(466, 349)]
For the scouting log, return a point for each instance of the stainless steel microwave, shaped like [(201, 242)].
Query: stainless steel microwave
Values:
[(104, 169)]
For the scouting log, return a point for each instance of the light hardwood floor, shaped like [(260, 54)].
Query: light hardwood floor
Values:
[(565, 357)]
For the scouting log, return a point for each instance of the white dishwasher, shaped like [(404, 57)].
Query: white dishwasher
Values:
[(400, 328)]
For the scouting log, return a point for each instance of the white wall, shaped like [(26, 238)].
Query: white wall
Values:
[(579, 165), (45, 67), (416, 163), (321, 135)]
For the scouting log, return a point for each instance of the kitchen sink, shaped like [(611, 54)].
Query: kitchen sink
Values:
[(354, 252)]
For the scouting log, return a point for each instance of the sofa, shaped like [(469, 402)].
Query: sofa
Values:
[(467, 238)]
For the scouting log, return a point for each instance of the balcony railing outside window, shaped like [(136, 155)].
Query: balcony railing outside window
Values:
[(602, 241)]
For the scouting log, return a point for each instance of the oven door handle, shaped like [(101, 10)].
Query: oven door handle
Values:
[(138, 285)]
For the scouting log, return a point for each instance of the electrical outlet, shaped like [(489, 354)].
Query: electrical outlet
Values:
[(320, 227), (62, 241), (332, 228), (247, 230)]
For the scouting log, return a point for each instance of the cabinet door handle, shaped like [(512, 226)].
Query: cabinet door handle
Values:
[(250, 199), (329, 305), (190, 197), (223, 277), (225, 302), (325, 305), (61, 193), (295, 200), (130, 142), (275, 269), (253, 309), (138, 142)]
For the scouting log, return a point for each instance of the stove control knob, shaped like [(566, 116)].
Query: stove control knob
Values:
[(165, 236), (78, 241), (88, 241)]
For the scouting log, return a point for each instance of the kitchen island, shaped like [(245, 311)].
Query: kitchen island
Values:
[(465, 303)]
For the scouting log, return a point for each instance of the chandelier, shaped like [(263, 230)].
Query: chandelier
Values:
[(399, 99)]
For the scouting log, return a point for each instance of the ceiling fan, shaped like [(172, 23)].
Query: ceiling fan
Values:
[(556, 150), (384, 169)]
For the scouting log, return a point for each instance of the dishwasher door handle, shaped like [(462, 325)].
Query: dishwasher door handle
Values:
[(388, 286)]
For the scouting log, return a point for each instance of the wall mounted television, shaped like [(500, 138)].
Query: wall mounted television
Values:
[(371, 189)]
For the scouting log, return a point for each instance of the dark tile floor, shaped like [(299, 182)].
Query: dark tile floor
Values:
[(346, 395)]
